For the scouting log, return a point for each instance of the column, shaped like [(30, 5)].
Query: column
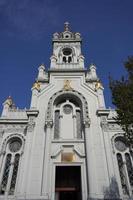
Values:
[(46, 162)]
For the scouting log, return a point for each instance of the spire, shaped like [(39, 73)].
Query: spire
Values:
[(66, 26), (8, 104)]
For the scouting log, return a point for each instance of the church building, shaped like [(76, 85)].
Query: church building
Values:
[(67, 145)]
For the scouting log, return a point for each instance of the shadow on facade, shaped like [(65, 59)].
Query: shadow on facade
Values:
[(112, 192)]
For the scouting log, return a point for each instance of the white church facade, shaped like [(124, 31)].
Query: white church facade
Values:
[(67, 145)]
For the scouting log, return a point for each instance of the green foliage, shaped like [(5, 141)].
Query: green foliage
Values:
[(122, 98)]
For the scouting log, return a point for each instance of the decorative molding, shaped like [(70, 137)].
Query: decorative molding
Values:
[(79, 152), (31, 124), (49, 123), (104, 123), (87, 123), (77, 95), (4, 143), (113, 139), (11, 128), (67, 85), (114, 127)]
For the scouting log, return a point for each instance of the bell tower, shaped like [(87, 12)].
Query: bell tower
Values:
[(67, 50)]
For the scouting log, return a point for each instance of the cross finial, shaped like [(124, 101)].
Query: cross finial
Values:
[(66, 27)]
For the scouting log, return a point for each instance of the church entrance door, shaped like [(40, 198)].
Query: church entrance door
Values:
[(68, 183)]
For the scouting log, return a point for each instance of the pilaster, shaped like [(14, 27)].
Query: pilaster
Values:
[(47, 156)]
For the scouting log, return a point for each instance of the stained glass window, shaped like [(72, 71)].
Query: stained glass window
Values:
[(11, 164), (5, 174), (79, 129), (15, 145), (14, 175), (56, 125), (122, 173), (129, 168), (120, 144)]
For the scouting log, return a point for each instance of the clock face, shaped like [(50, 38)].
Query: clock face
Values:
[(120, 145)]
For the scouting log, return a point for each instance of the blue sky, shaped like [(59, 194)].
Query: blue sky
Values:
[(26, 29)]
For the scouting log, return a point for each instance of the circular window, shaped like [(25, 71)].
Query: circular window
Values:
[(67, 51), (120, 144), (67, 109), (15, 145)]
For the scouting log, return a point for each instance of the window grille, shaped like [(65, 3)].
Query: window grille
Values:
[(129, 168), (5, 174), (122, 173), (14, 175)]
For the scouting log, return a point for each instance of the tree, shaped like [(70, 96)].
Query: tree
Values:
[(122, 98)]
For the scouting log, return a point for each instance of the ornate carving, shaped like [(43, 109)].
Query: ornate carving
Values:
[(16, 135), (87, 123), (98, 85), (48, 123), (78, 95), (114, 127), (31, 124), (67, 85), (1, 133), (104, 123), (36, 86), (11, 128)]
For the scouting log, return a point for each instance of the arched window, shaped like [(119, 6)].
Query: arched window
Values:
[(129, 168), (56, 124), (67, 119), (67, 55), (10, 166), (79, 124), (125, 164)]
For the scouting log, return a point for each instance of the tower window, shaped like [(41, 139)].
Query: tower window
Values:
[(69, 59), (67, 55), (67, 51), (64, 59)]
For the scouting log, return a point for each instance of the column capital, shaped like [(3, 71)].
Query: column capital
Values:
[(49, 123), (3, 152), (87, 123)]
